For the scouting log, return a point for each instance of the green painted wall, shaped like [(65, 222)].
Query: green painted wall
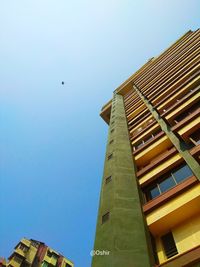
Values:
[(196, 265), (123, 235)]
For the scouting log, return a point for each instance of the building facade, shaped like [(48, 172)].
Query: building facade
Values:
[(32, 253), (2, 262), (149, 211)]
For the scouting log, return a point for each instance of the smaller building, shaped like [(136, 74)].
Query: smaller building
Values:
[(33, 253), (2, 262)]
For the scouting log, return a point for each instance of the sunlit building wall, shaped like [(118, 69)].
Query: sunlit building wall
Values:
[(149, 212), (32, 253)]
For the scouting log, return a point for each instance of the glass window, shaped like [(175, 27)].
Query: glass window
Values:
[(182, 173), (105, 217), (45, 264), (23, 247), (181, 117), (138, 145), (169, 245), (152, 192), (34, 243), (110, 156), (54, 256), (108, 179), (49, 254), (163, 184), (17, 259), (148, 138), (166, 184), (196, 137)]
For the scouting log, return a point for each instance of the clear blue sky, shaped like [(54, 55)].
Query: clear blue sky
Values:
[(52, 138)]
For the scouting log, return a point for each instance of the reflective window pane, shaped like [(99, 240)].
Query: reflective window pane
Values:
[(167, 184), (139, 145), (148, 138), (196, 137), (154, 192), (182, 173)]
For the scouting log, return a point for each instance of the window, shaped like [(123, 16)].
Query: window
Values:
[(152, 193), (112, 122), (138, 145), (166, 184), (23, 247), (54, 256), (181, 117), (169, 181), (195, 137), (111, 141), (110, 156), (182, 173), (112, 131), (142, 127), (108, 179), (169, 245), (18, 259), (35, 243), (105, 217), (186, 113), (49, 254), (45, 264), (146, 139)]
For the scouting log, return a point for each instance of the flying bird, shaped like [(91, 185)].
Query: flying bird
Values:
[(63, 82)]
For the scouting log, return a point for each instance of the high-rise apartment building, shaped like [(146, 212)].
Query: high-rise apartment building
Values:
[(32, 253), (149, 212)]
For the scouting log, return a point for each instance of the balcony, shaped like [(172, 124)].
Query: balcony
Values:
[(188, 125), (14, 263), (146, 135), (176, 96), (51, 257), (144, 155), (181, 106), (177, 210)]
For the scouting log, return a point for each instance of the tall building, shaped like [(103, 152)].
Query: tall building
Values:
[(32, 253), (149, 211)]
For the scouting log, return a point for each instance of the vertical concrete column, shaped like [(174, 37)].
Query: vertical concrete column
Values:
[(120, 231)]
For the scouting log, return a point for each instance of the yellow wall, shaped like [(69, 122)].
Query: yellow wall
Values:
[(189, 126), (174, 211), (66, 261), (13, 263), (31, 254), (186, 236), (154, 149)]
